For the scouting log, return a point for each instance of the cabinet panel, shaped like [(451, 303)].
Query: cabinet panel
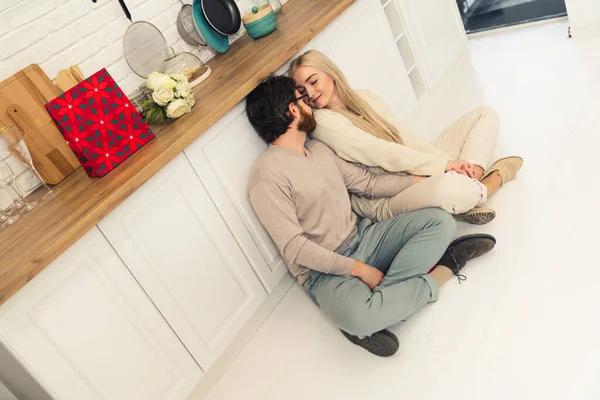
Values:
[(436, 32), (173, 239), (222, 158), (365, 50), (86, 330)]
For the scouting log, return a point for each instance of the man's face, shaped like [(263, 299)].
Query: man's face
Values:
[(306, 122)]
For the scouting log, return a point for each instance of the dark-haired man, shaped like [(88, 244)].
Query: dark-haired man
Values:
[(364, 276)]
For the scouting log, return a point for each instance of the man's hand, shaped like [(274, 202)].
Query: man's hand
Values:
[(371, 276), (460, 166)]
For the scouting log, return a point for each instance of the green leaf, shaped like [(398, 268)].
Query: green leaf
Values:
[(149, 103)]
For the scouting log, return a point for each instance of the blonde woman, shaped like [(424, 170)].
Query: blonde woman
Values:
[(450, 173)]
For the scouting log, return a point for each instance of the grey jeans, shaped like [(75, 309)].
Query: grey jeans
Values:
[(404, 248)]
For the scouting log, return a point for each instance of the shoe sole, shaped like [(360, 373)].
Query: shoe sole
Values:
[(379, 349), (390, 334), (477, 217), (463, 239)]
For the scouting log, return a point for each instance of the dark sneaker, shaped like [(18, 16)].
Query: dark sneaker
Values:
[(466, 248), (383, 343)]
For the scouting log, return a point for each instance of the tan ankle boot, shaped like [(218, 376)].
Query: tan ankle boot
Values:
[(507, 168)]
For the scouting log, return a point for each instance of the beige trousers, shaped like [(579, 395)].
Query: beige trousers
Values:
[(471, 138)]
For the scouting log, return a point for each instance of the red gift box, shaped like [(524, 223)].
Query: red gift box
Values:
[(99, 123)]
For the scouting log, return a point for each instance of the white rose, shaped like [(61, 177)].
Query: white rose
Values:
[(177, 108), (169, 83), (162, 96), (183, 89), (156, 80), (190, 100), (179, 77)]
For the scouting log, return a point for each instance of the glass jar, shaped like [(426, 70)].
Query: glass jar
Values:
[(184, 63)]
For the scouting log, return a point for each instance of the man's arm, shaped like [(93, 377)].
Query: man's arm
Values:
[(363, 182), (275, 208)]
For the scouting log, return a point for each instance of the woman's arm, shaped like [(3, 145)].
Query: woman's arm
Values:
[(355, 145)]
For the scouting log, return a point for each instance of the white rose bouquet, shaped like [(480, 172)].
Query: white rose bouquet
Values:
[(171, 97)]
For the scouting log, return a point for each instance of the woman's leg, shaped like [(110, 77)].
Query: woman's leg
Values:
[(451, 192), (472, 138)]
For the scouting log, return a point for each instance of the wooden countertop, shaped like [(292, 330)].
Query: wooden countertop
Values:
[(43, 234)]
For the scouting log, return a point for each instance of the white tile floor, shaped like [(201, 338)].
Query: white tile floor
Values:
[(524, 325)]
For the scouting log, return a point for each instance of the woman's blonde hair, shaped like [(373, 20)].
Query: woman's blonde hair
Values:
[(359, 112)]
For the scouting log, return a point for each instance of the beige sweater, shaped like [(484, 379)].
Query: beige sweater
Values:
[(415, 156), (303, 203)]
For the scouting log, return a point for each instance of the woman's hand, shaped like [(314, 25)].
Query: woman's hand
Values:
[(419, 178), (371, 276), (461, 167)]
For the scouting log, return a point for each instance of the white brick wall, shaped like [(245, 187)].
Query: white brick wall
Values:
[(60, 33)]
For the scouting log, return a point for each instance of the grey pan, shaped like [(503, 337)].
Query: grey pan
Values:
[(222, 15)]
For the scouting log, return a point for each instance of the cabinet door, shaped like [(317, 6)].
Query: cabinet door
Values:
[(173, 239), (364, 48), (85, 329), (437, 34), (222, 157)]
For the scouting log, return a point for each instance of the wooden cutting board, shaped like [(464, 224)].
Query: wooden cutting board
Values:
[(22, 100)]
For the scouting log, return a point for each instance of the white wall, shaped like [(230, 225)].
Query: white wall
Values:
[(60, 33), (584, 17)]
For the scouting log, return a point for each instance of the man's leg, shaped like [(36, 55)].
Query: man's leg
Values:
[(405, 248)]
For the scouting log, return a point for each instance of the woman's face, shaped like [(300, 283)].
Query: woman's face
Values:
[(316, 84)]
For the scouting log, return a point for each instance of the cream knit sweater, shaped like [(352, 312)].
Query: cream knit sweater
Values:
[(415, 156)]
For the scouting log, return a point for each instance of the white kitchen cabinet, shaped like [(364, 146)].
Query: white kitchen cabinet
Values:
[(436, 32), (222, 158), (364, 48), (84, 329), (174, 241)]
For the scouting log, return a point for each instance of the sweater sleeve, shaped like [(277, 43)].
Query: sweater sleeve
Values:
[(275, 209), (361, 181), (355, 145)]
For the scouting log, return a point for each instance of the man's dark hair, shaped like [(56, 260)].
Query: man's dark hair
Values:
[(267, 107)]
